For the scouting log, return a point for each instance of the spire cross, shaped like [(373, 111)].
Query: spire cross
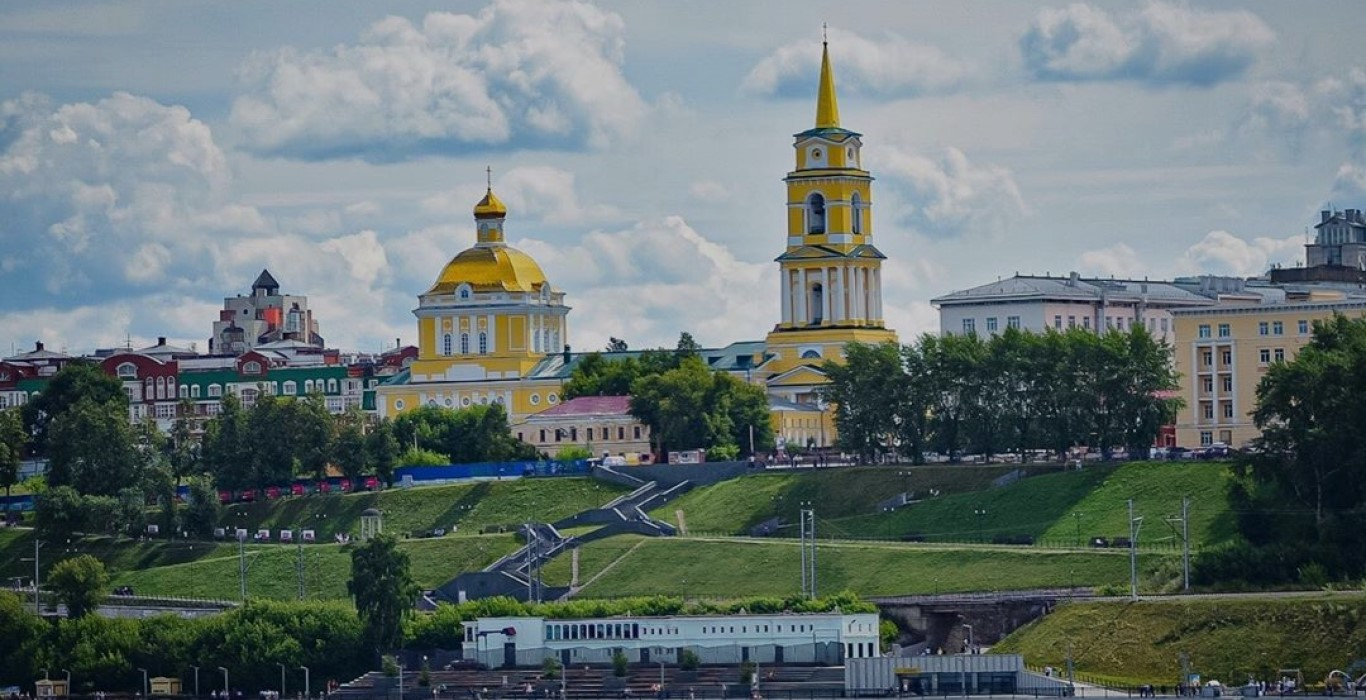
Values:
[(825, 33), (488, 171)]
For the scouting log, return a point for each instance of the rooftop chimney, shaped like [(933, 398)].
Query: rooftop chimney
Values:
[(38, 346), (566, 353), (161, 340)]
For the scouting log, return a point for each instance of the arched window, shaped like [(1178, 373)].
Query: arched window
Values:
[(290, 388), (331, 386), (127, 370), (856, 210), (184, 391), (215, 391), (464, 343), (811, 355), (545, 340), (194, 391), (483, 343), (149, 390), (446, 344), (817, 303), (815, 214)]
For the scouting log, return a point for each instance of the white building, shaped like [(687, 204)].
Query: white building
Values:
[(1035, 303), (716, 639)]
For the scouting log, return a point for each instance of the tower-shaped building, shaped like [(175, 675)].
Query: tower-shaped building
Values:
[(830, 278)]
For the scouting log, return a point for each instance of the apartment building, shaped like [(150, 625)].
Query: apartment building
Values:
[(1222, 353)]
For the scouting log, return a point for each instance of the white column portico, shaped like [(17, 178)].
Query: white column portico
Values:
[(825, 294), (785, 285), (802, 294)]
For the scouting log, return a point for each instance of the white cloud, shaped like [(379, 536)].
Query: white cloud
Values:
[(1118, 260), (648, 282), (518, 73), (538, 192), (888, 65), (950, 196), (708, 191), (1161, 44), (1222, 253)]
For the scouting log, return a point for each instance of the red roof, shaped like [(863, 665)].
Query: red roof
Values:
[(591, 406)]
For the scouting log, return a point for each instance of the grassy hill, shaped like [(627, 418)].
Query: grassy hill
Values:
[(1227, 639), (272, 570), (472, 506), (1061, 508), (730, 567), (732, 507)]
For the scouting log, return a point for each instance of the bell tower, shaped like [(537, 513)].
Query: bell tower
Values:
[(830, 273)]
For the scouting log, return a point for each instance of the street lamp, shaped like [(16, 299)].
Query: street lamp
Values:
[(308, 689), (661, 679), (145, 689), (1076, 515), (282, 678), (68, 681), (981, 514), (196, 680), (225, 681), (969, 629)]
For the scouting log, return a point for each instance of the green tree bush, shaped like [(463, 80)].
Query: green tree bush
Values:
[(80, 583)]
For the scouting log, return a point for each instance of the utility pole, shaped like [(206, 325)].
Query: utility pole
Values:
[(1134, 525), (299, 565), (1184, 519), (1076, 515), (37, 606), (801, 524), (242, 566), (808, 546)]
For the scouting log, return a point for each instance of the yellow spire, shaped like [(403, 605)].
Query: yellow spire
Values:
[(827, 105)]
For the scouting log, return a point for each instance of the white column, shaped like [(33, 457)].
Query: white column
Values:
[(841, 311), (801, 296), (785, 290), (825, 293), (877, 293), (857, 301)]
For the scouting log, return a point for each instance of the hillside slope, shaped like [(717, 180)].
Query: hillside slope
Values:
[(1226, 639)]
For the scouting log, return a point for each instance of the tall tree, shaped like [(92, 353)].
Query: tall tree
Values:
[(183, 448), (91, 448), (12, 442), (381, 448), (348, 450), (383, 589), (204, 509), (227, 452), (866, 390), (616, 345), (75, 382), (79, 583), (313, 431)]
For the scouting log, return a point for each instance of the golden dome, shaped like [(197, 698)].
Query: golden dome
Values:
[(490, 268), (490, 207)]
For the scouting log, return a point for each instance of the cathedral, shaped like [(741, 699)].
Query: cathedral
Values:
[(493, 329)]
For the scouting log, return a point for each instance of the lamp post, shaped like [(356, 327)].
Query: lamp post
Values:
[(225, 681), (661, 679), (196, 680), (68, 681), (145, 690), (981, 514), (308, 689), (282, 678), (400, 682), (1076, 515), (969, 629)]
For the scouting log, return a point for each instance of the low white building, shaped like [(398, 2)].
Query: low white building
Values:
[(716, 639)]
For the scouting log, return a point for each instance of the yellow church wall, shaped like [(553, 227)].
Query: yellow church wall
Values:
[(426, 337), (516, 333)]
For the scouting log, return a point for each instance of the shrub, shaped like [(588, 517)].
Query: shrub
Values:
[(723, 453), (747, 673), (688, 660), (417, 457), (550, 668), (620, 665), (571, 453)]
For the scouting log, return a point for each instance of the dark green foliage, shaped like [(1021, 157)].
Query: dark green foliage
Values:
[(688, 660), (475, 434), (79, 583), (204, 510), (75, 382), (381, 449), (13, 441), (91, 448), (1301, 496), (691, 406), (620, 664), (1015, 391), (59, 513), (20, 641), (383, 588)]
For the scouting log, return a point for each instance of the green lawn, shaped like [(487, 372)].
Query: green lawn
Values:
[(272, 570), (471, 506), (1059, 508), (593, 557), (118, 554), (729, 568), (732, 507), (1226, 639)]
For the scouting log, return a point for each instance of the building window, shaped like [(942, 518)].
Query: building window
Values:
[(1277, 328), (1208, 384), (969, 326), (290, 388), (331, 386), (1264, 356), (1206, 358), (184, 391), (536, 401), (464, 343), (194, 391), (1224, 330), (815, 214), (1280, 354), (127, 370), (856, 210), (215, 391), (1304, 327), (252, 367), (446, 344), (1227, 357), (308, 386), (1227, 384), (1013, 322), (1164, 325), (1057, 322), (1086, 322), (1262, 328), (991, 324), (1206, 438), (1071, 321), (635, 432), (621, 433), (483, 343), (1204, 330), (1228, 409)]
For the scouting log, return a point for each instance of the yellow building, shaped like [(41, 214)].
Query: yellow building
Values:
[(492, 329), (1222, 352), (487, 330), (830, 273)]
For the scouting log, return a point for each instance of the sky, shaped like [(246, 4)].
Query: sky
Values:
[(155, 156)]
